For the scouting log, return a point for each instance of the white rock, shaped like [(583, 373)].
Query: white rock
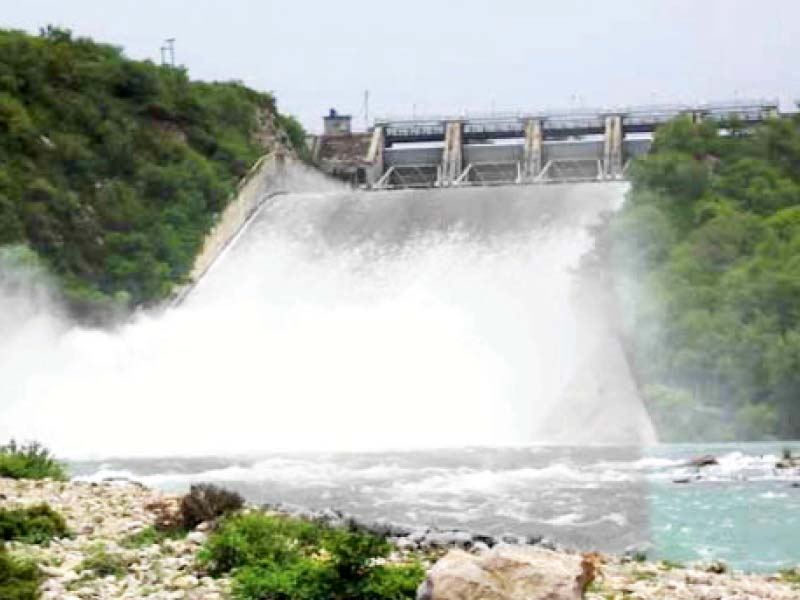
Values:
[(52, 571), (506, 573), (185, 582), (197, 537)]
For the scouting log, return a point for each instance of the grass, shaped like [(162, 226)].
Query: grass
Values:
[(103, 563), (29, 461), (151, 536), (34, 525), (19, 578), (286, 558), (791, 576), (640, 575), (669, 565)]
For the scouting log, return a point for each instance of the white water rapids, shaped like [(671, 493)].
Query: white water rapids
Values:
[(345, 321)]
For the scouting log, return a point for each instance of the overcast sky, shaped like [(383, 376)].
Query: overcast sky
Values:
[(433, 56)]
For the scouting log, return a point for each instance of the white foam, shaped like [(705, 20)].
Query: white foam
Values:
[(317, 336)]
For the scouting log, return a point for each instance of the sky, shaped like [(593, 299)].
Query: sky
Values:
[(419, 57)]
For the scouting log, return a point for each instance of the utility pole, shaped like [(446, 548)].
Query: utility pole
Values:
[(171, 48)]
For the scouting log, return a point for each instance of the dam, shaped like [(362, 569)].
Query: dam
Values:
[(555, 146), (456, 309)]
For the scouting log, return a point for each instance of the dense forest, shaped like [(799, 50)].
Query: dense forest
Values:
[(112, 170), (707, 251)]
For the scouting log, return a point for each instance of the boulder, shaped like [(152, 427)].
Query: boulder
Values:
[(707, 460), (507, 573)]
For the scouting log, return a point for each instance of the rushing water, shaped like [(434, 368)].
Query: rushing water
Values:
[(349, 321), (344, 336), (744, 510)]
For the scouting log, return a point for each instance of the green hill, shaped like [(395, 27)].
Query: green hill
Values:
[(708, 256), (112, 170)]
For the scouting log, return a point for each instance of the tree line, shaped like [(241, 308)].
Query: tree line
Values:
[(707, 259), (112, 170)]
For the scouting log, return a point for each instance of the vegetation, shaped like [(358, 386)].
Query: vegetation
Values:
[(291, 559), (29, 461), (708, 255), (103, 563), (19, 578), (150, 536), (113, 170), (206, 502), (34, 525)]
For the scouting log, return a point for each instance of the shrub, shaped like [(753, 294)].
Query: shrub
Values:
[(103, 563), (35, 525), (283, 558), (167, 515), (206, 502), (247, 539), (29, 461), (393, 582), (19, 578)]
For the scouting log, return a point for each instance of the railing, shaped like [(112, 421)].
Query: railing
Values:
[(578, 118)]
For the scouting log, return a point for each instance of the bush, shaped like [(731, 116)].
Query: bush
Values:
[(103, 563), (29, 461), (283, 558), (34, 525), (19, 579), (393, 582), (206, 502)]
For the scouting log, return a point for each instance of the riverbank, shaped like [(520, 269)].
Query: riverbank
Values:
[(108, 514)]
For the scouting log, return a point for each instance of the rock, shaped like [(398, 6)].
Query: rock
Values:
[(405, 543), (204, 526), (479, 547), (510, 538), (86, 529), (548, 543), (532, 540), (484, 539), (447, 539), (198, 538), (506, 573), (705, 460), (185, 582), (52, 571), (417, 535)]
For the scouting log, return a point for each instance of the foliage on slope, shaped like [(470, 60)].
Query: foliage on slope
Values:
[(272, 556), (113, 170), (19, 577), (29, 461), (708, 251)]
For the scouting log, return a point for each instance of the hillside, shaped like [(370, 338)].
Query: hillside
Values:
[(707, 251), (112, 170)]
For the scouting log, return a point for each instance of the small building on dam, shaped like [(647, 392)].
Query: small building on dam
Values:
[(506, 148)]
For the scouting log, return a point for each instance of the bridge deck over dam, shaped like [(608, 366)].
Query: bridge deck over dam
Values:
[(519, 148)]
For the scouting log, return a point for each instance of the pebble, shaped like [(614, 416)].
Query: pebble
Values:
[(107, 513)]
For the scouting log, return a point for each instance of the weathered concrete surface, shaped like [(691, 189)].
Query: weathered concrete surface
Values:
[(263, 180), (507, 573)]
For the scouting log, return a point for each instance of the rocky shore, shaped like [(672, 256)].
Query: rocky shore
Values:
[(464, 565)]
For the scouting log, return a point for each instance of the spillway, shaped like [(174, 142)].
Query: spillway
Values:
[(350, 321)]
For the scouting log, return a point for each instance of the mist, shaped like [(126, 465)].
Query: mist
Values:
[(341, 321)]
